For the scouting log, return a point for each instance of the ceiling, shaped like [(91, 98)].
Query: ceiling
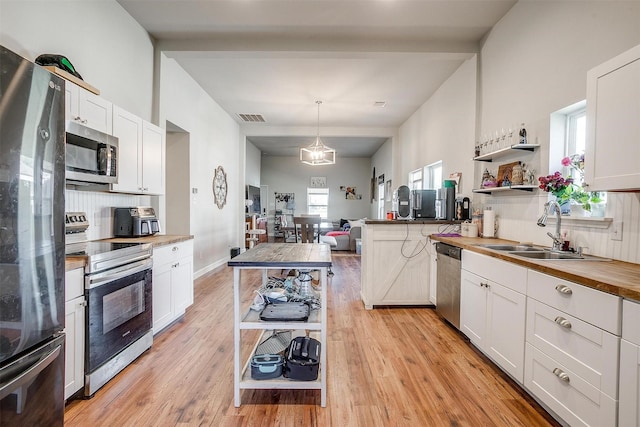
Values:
[(276, 58)]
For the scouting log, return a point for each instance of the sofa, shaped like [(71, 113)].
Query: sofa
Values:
[(345, 239)]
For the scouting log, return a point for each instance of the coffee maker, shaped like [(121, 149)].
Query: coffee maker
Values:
[(463, 209)]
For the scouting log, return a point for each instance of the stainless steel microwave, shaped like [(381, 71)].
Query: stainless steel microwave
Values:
[(91, 155)]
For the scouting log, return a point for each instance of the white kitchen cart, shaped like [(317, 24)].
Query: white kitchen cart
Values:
[(279, 256)]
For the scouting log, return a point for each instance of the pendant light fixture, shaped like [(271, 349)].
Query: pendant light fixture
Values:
[(318, 153)]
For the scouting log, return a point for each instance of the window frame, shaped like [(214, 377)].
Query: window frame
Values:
[(312, 209)]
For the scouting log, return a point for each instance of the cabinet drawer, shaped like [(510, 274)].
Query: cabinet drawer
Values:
[(576, 401), (171, 253), (592, 306), (630, 321), (74, 284), (506, 273), (588, 351)]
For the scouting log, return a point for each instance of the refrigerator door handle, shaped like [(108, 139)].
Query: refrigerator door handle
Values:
[(21, 383)]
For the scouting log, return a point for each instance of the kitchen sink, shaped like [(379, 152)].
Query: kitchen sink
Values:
[(512, 248), (556, 256)]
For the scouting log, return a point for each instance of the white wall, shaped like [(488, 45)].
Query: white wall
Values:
[(252, 165), (533, 63), (442, 129), (288, 175), (111, 52), (104, 43), (214, 141)]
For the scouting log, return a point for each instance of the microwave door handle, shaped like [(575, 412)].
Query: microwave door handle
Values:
[(108, 171)]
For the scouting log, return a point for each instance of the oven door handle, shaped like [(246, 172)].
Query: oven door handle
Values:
[(99, 279)]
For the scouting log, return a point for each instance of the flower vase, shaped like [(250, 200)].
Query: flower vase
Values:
[(578, 211), (598, 210), (565, 207)]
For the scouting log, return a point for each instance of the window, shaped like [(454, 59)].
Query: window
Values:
[(575, 140), (566, 155), (318, 202), (433, 175), (415, 180)]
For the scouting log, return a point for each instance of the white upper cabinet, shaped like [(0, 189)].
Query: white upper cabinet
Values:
[(140, 154), (87, 108), (612, 158)]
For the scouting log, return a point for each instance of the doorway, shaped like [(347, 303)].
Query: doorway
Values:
[(178, 204)]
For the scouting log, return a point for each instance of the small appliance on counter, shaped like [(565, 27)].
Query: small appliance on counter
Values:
[(403, 197), (441, 211), (135, 222), (450, 199), (463, 209), (424, 203)]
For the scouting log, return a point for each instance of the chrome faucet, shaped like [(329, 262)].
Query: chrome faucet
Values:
[(542, 222)]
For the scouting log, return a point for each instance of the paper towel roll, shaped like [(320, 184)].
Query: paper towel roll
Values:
[(489, 225)]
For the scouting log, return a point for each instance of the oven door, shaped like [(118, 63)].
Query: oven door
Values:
[(118, 310)]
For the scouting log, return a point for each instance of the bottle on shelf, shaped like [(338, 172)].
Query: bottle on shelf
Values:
[(523, 134)]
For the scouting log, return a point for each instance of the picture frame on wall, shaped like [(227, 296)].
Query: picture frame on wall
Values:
[(318, 182)]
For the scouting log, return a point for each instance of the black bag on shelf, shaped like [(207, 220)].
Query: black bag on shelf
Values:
[(285, 312), (302, 360), (266, 366)]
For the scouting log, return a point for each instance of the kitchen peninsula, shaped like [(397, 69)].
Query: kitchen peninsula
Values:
[(398, 261)]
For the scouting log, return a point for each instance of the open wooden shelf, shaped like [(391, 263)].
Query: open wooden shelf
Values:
[(488, 157)]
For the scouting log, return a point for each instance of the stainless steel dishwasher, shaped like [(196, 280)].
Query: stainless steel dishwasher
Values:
[(448, 282)]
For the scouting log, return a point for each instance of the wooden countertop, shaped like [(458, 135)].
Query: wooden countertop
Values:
[(312, 255), (615, 277), (73, 262)]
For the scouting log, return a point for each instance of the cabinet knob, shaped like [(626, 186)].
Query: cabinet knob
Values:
[(564, 289), (563, 322), (561, 374), (175, 265), (175, 248)]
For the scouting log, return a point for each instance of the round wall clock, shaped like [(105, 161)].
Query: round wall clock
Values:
[(220, 187)]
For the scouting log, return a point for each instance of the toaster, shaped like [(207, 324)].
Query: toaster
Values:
[(135, 222)]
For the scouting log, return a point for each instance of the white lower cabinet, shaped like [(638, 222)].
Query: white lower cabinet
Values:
[(574, 400), (74, 328), (629, 391), (172, 283), (492, 314), (572, 350)]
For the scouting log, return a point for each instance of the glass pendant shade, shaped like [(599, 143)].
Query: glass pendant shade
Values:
[(318, 153)]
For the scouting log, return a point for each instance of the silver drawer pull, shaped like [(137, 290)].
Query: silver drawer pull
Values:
[(561, 374), (563, 322), (564, 289)]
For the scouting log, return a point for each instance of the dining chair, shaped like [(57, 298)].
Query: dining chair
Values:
[(309, 228)]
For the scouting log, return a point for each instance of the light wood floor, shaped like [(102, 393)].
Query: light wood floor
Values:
[(386, 367)]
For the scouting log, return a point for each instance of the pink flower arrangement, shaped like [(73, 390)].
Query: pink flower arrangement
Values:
[(557, 185), (575, 161)]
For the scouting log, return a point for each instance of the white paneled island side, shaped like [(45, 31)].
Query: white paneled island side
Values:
[(396, 261)]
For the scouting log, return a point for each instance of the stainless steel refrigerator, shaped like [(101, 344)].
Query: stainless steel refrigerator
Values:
[(31, 243)]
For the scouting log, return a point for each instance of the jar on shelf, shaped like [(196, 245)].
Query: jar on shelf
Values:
[(516, 175)]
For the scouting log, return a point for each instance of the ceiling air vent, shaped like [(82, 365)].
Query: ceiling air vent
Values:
[(252, 118)]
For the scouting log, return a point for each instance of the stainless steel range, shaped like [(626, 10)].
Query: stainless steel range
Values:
[(118, 293)]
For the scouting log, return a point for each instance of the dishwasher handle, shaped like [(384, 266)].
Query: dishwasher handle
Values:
[(449, 250)]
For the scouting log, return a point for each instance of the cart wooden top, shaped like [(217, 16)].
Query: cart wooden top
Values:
[(315, 255)]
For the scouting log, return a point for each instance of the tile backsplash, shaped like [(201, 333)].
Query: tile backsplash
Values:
[(98, 206)]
